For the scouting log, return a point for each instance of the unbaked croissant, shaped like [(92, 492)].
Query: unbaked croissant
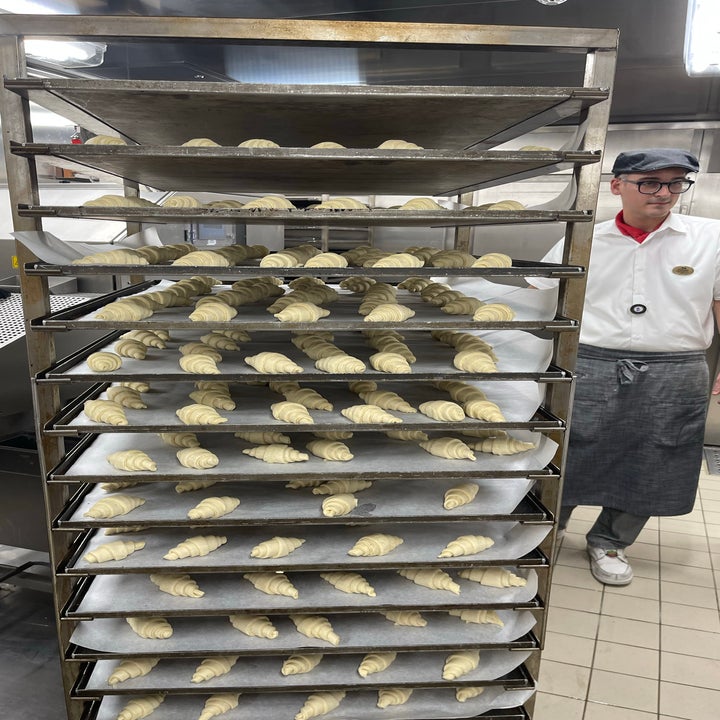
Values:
[(460, 495), (349, 582), (389, 362), (398, 145), (279, 260), (503, 446), (273, 363), (120, 485), (405, 618), (202, 258), (126, 347), (178, 585), (276, 547), (320, 703), (105, 411), (389, 344), (198, 348), (213, 507), (466, 545), (199, 364), (387, 400), (393, 696), (452, 259), (493, 260), (197, 458), (263, 438), (302, 312), (376, 662), (113, 506), (494, 312), (254, 625), (124, 310), (364, 414), (291, 412), (493, 577), (467, 692), (474, 361), (197, 414), (357, 283), (340, 363), (361, 386), (194, 484), (259, 143), (407, 435), (219, 704), (141, 707), (442, 410), (448, 447), (116, 550), (121, 529), (399, 260), (213, 398), (484, 410), (327, 259), (219, 342), (182, 201), (131, 460), (421, 203), (316, 626), (213, 312), (214, 667), (389, 312), (200, 142), (105, 140), (140, 386), (432, 578), (309, 398), (478, 617), (149, 338), (131, 668), (300, 664), (125, 396), (375, 545), (330, 450), (152, 628), (338, 505), (196, 546), (272, 583), (180, 439), (462, 306), (414, 284), (277, 454), (460, 663), (122, 256), (339, 203), (342, 485)]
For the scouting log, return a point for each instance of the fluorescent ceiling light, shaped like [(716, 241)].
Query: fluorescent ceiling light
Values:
[(66, 54), (702, 38), (29, 7)]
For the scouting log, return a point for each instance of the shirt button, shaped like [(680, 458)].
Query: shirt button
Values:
[(638, 309)]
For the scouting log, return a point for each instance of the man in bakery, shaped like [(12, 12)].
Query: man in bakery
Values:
[(652, 302)]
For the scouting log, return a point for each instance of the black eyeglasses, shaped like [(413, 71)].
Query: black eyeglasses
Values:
[(650, 187)]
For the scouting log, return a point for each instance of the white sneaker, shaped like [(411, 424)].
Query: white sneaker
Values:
[(609, 566)]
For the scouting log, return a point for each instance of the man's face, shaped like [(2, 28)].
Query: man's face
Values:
[(636, 204)]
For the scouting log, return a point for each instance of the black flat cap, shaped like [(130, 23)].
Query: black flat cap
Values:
[(635, 161)]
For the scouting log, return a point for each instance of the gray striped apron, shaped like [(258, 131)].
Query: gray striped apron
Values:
[(636, 430)]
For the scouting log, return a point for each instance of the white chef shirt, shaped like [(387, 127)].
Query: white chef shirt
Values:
[(623, 273)]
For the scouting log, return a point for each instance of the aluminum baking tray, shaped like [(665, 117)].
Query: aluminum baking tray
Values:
[(359, 632), (498, 666), (325, 548), (263, 503), (438, 704), (135, 595), (310, 170), (301, 115), (375, 457)]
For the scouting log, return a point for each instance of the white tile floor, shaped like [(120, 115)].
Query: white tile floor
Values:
[(646, 651)]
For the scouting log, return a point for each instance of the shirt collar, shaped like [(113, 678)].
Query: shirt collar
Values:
[(671, 222)]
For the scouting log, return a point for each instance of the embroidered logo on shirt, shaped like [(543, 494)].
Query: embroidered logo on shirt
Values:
[(683, 270)]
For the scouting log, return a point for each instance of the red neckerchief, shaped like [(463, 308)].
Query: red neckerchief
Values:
[(635, 233)]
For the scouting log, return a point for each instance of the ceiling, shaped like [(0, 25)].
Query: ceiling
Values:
[(651, 83)]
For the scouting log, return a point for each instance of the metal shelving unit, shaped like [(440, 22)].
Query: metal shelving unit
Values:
[(518, 495)]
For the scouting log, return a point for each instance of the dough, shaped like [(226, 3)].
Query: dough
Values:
[(200, 415), (393, 696), (462, 306), (302, 312), (309, 398), (398, 145), (276, 547), (432, 578), (277, 454), (361, 386), (117, 550), (269, 202), (320, 703), (452, 259), (460, 495), (258, 143), (273, 363), (219, 704), (494, 312), (369, 414), (390, 344), (115, 486), (342, 485), (493, 577), (200, 364), (330, 450), (105, 140), (484, 410), (298, 484), (113, 506), (198, 348), (214, 667), (357, 283), (180, 439), (254, 625), (405, 618), (327, 259), (130, 668), (375, 545), (414, 284), (333, 434), (197, 458), (376, 662), (468, 692), (300, 664), (448, 447), (131, 460), (291, 412), (509, 204), (493, 260), (466, 545), (443, 298), (340, 363), (103, 361), (349, 582), (503, 446), (196, 546), (141, 387), (399, 260), (213, 398), (263, 438), (279, 260), (126, 347), (219, 342), (141, 707), (433, 289), (387, 400), (213, 311), (202, 258), (338, 505), (460, 663), (151, 628), (178, 585), (316, 626), (389, 312), (213, 507), (200, 142), (182, 201), (125, 396), (459, 391), (272, 583), (474, 361), (478, 616), (388, 362), (193, 484), (442, 410), (407, 435), (123, 256), (339, 203), (421, 203), (327, 144)]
